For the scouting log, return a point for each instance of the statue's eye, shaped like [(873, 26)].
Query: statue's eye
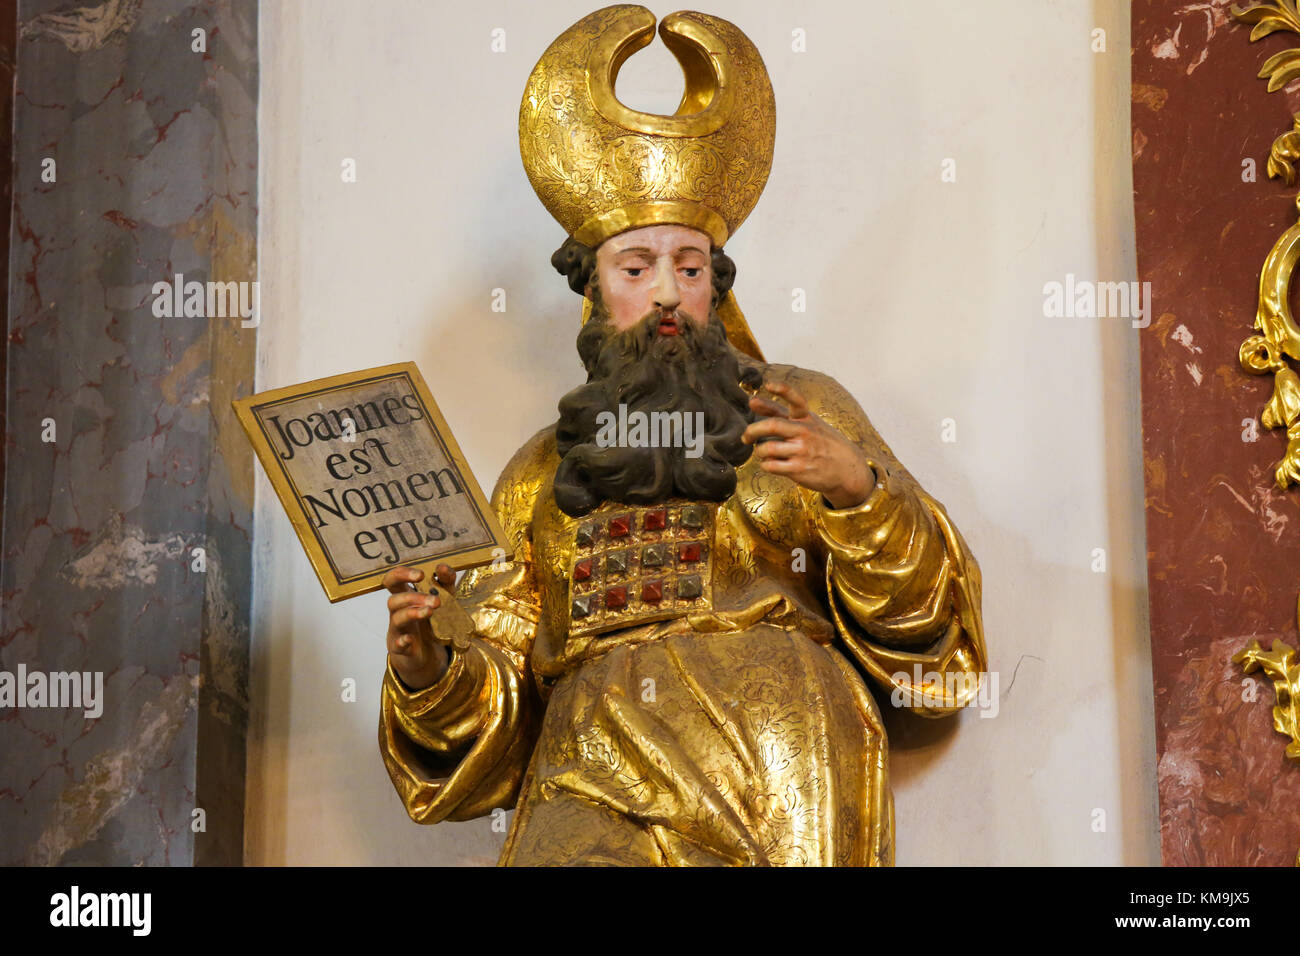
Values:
[(692, 272), (634, 271)]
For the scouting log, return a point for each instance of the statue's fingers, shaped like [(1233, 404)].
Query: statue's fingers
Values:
[(778, 450), (399, 580), (790, 467), (772, 428), (411, 649), (403, 619), (403, 599), (762, 406), (794, 398), (445, 575)]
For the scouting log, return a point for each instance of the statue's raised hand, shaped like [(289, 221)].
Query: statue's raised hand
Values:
[(420, 625), (797, 443)]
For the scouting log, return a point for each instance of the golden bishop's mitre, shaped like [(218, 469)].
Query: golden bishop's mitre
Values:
[(601, 168)]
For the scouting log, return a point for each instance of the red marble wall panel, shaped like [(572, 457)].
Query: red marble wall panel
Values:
[(1223, 541)]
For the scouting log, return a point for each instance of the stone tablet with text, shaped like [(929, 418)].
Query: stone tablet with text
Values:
[(371, 477)]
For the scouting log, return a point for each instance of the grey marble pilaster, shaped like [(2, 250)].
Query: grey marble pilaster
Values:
[(149, 129)]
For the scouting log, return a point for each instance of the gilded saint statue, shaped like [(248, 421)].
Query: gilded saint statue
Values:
[(713, 554)]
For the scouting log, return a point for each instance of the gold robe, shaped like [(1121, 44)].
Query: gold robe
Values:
[(739, 729)]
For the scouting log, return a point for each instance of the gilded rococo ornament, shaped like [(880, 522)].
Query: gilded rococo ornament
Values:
[(1278, 339), (1282, 666)]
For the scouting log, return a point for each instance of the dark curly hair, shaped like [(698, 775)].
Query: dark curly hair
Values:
[(577, 263)]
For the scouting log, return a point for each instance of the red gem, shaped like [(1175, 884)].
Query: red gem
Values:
[(656, 520), (620, 527), (652, 591), (582, 570), (616, 598), (690, 551)]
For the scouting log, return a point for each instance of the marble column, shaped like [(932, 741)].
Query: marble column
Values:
[(127, 515)]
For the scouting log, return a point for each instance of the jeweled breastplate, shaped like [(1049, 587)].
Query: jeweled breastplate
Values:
[(636, 565)]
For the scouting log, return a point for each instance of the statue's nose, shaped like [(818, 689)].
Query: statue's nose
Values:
[(665, 291)]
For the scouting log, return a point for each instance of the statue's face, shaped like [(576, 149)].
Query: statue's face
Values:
[(660, 269)]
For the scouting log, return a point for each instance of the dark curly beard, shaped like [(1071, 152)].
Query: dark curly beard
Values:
[(692, 371)]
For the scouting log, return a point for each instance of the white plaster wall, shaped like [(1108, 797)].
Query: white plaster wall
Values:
[(924, 299)]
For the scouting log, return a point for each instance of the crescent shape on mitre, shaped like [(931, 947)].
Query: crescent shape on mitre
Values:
[(708, 100)]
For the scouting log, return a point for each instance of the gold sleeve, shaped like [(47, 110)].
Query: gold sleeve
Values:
[(892, 570), (459, 749), (901, 583)]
